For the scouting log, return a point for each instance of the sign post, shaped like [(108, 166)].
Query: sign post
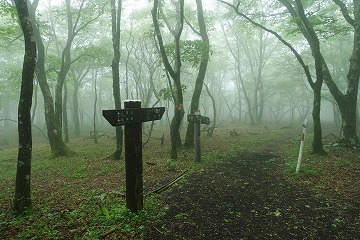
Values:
[(301, 146), (197, 119), (132, 116)]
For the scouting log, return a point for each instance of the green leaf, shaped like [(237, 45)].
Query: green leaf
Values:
[(102, 196), (104, 211), (277, 213), (6, 9)]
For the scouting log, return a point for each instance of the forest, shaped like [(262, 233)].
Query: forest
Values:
[(174, 119)]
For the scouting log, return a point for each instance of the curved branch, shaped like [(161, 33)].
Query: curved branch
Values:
[(154, 13), (287, 44), (345, 12)]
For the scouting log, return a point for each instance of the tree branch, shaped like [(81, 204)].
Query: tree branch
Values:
[(154, 13), (345, 12), (287, 44)]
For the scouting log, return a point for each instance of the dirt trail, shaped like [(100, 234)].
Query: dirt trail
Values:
[(247, 197)]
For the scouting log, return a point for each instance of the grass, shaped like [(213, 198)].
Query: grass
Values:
[(81, 196), (334, 177)]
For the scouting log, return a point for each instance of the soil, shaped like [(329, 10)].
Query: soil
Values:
[(248, 197)]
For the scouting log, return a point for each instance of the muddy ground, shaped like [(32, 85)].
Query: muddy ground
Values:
[(248, 197)]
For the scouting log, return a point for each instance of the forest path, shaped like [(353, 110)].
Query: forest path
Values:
[(248, 197)]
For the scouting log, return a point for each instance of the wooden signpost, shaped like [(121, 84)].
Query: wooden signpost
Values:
[(132, 116), (197, 119)]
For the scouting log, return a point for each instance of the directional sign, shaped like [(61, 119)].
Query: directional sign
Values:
[(132, 115), (198, 119)]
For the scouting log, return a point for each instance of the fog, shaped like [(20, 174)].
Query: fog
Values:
[(252, 77)]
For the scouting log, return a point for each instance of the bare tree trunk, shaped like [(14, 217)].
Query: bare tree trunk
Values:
[(58, 147), (95, 108), (76, 116), (35, 102), (116, 17), (213, 104), (173, 72), (65, 115), (189, 140), (22, 198)]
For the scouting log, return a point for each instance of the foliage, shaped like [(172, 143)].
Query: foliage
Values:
[(191, 51), (97, 55), (326, 20), (6, 9), (9, 29), (81, 196), (167, 93)]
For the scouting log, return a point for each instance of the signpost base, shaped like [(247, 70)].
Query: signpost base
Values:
[(132, 116), (133, 162), (197, 119)]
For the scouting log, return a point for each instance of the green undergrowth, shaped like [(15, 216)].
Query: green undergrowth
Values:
[(81, 196), (334, 177), (100, 216)]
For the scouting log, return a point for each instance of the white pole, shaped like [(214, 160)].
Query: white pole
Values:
[(301, 146)]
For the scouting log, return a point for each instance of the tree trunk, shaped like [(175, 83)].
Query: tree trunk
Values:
[(116, 17), (174, 131), (213, 104), (65, 116), (337, 120), (95, 109), (317, 145), (189, 140), (76, 110), (173, 72), (348, 115), (22, 198), (65, 67), (35, 103), (58, 147), (298, 13)]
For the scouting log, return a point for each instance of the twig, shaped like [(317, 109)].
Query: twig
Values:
[(158, 230), (118, 193), (11, 120), (166, 186), (105, 234)]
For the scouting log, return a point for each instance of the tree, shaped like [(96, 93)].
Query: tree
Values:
[(58, 147), (115, 20), (347, 101), (189, 140), (174, 72), (310, 35), (76, 22), (22, 198)]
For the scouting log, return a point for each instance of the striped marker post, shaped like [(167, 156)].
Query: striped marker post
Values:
[(301, 146)]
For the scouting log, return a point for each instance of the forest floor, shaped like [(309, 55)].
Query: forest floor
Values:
[(247, 196), (244, 188)]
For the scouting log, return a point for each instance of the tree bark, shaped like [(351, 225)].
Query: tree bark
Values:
[(22, 198), (65, 115), (58, 147), (348, 102), (95, 109), (189, 140), (213, 104), (116, 17), (76, 117), (173, 72), (317, 145)]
